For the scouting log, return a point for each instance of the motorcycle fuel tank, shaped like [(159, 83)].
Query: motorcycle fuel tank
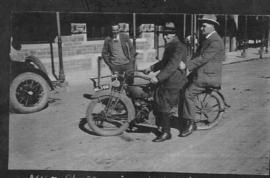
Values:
[(137, 92)]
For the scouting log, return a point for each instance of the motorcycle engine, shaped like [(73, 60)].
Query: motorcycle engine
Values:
[(142, 110)]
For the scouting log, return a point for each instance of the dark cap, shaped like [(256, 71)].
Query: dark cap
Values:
[(169, 27)]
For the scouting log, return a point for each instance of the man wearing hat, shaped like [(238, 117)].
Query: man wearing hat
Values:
[(206, 67), (170, 80)]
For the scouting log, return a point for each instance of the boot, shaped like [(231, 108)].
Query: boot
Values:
[(165, 136), (188, 128)]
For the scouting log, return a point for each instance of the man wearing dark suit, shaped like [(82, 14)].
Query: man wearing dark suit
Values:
[(118, 53), (170, 80), (206, 67)]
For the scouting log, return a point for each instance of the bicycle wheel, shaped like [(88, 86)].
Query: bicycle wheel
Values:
[(110, 114), (209, 110)]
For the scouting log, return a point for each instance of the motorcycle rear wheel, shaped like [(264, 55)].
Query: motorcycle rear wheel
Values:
[(110, 115), (210, 108)]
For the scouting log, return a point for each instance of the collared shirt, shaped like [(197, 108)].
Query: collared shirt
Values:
[(210, 34)]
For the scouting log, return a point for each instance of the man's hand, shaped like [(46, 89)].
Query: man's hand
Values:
[(147, 70), (187, 72), (154, 79), (182, 65)]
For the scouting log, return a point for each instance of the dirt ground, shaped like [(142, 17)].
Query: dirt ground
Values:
[(58, 137)]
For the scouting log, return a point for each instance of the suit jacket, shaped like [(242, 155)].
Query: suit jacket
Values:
[(207, 63), (171, 79), (170, 76), (126, 44)]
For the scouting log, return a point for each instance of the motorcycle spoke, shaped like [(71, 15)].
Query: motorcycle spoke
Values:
[(216, 105), (206, 115), (115, 123), (202, 117), (214, 108), (205, 96)]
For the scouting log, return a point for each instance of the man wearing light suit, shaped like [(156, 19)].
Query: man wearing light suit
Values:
[(206, 67)]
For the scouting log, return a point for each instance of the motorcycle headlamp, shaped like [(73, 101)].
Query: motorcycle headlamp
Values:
[(115, 83)]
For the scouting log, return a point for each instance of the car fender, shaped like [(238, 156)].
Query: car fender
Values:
[(18, 71)]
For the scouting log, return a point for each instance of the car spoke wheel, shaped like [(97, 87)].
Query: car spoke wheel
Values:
[(28, 93)]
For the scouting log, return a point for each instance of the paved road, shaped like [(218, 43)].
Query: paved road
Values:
[(57, 138)]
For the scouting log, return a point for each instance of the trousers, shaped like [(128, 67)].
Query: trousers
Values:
[(163, 120), (127, 68), (189, 106)]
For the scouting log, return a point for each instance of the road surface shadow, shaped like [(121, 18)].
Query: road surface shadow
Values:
[(82, 126), (137, 128), (148, 128), (142, 129)]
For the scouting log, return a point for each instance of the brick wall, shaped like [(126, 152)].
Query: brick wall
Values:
[(82, 55)]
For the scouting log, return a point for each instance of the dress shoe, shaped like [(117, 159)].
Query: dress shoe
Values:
[(188, 128), (163, 137)]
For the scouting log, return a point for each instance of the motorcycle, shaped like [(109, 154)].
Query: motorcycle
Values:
[(117, 106)]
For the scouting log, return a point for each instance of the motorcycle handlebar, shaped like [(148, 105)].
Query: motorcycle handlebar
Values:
[(145, 77), (142, 77)]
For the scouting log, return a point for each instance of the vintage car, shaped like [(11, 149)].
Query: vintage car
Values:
[(29, 83)]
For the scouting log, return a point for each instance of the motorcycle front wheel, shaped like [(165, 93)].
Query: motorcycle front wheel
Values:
[(110, 115)]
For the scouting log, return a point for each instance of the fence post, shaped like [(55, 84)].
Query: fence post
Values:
[(243, 54), (61, 66)]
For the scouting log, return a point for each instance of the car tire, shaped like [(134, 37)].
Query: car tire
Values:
[(29, 92)]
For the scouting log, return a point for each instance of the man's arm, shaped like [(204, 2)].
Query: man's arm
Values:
[(131, 49), (208, 54), (158, 66), (172, 64)]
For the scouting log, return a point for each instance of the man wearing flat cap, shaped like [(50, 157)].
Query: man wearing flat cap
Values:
[(206, 67), (170, 80)]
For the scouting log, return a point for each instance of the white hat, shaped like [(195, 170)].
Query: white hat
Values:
[(210, 19)]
